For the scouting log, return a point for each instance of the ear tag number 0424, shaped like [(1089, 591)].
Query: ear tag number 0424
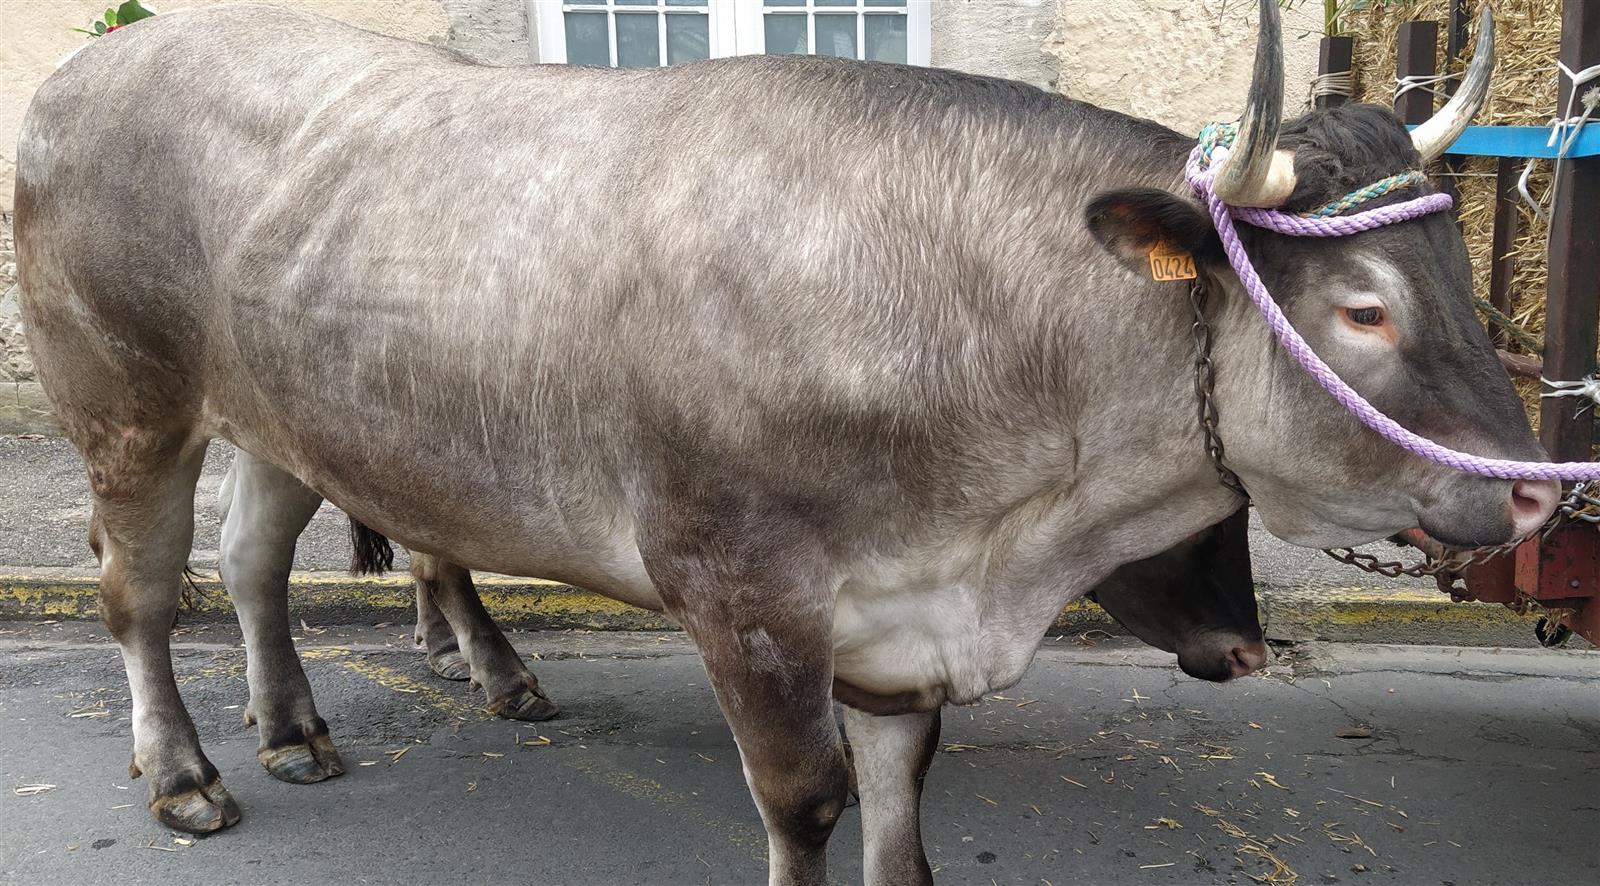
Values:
[(1168, 263)]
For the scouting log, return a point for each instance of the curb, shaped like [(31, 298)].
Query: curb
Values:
[(24, 409), (1364, 615), (337, 598), (1340, 615)]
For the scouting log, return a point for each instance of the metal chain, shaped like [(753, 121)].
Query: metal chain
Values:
[(1578, 505), (1205, 380)]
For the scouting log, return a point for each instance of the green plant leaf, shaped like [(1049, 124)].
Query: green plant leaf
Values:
[(111, 17), (99, 28), (132, 11)]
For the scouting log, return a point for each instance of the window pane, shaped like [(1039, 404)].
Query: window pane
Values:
[(587, 40), (835, 2), (886, 2), (688, 38), (638, 41), (786, 2), (686, 3), (886, 38), (786, 34), (636, 2), (836, 35)]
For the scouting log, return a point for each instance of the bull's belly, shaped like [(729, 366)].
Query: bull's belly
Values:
[(905, 627), (449, 509)]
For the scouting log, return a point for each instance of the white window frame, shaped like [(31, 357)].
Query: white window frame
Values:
[(752, 39), (550, 30), (736, 27)]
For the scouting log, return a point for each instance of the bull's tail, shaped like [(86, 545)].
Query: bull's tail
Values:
[(371, 553)]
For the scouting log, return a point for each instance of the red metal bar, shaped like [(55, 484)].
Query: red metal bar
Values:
[(1563, 572), (1573, 293), (1503, 242), (1455, 42)]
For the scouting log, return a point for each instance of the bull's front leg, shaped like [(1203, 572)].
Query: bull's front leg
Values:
[(264, 510), (766, 639), (891, 756)]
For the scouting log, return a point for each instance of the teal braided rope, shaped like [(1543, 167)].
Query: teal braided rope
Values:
[(1370, 192), (1216, 135), (1522, 336)]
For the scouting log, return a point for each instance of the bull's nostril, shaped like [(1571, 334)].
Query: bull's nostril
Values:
[(1243, 660), (1532, 502)]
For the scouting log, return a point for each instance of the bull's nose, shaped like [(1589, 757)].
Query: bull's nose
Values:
[(1532, 503), (1243, 660)]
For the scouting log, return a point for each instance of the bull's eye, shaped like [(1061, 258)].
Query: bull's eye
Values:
[(1365, 316)]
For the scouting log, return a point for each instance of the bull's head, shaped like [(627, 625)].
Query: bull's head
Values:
[(1390, 310)]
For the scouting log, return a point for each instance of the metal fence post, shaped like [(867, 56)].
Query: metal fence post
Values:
[(1335, 55), (1502, 244), (1416, 56), (1573, 292)]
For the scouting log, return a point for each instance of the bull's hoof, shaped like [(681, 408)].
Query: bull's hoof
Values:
[(197, 811), (450, 665), (529, 705), (304, 755)]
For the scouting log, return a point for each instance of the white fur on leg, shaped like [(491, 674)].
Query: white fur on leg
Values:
[(891, 755)]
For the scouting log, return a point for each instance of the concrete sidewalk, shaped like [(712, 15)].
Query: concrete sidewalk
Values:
[(47, 571)]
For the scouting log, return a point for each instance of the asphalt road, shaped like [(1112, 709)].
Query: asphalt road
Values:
[(1104, 766), (44, 515)]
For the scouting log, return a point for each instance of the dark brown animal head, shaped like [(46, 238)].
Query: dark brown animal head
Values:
[(1197, 599)]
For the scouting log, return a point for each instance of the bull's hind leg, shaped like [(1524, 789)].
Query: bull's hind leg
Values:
[(512, 690), (264, 511), (433, 630), (763, 624), (143, 523), (891, 756)]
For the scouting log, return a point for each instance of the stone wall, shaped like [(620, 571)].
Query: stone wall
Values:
[(1184, 63), (14, 363), (996, 38)]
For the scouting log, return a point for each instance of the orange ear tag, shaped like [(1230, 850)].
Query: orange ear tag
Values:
[(1169, 263)]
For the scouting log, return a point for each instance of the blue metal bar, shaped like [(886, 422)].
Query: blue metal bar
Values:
[(1522, 141)]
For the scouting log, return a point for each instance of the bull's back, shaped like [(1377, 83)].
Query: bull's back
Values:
[(411, 280)]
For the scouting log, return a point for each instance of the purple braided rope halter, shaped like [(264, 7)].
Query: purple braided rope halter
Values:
[(1223, 215)]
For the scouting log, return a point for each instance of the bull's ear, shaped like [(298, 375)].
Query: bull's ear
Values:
[(1131, 222)]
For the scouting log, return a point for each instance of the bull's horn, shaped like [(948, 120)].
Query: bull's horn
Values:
[(1255, 172), (1443, 128)]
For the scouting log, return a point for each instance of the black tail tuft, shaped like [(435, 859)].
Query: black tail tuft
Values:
[(193, 598), (371, 553)]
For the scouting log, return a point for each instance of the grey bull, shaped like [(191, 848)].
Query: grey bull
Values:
[(847, 367)]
